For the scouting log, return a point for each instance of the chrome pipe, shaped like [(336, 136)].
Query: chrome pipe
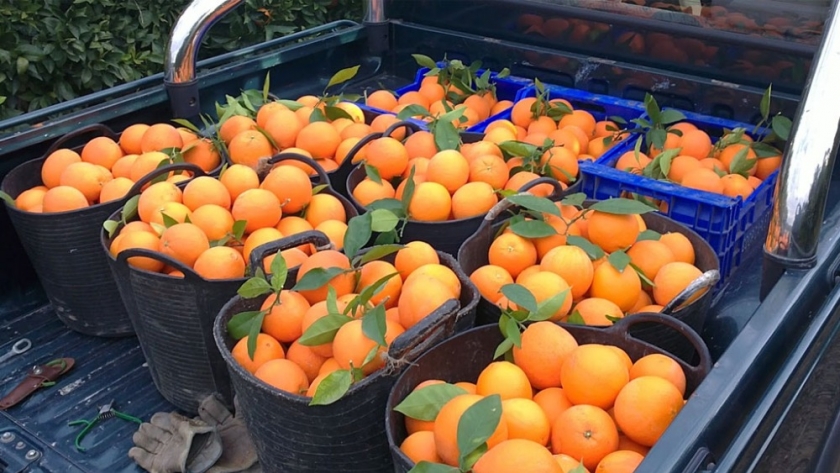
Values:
[(182, 52), (375, 11), (805, 175)]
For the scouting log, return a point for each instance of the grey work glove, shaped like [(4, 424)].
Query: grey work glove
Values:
[(172, 443), (238, 452)]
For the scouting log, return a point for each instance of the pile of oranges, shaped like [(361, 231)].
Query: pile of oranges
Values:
[(564, 406), (599, 292), (701, 165), (418, 285), (105, 170), (433, 97), (196, 225)]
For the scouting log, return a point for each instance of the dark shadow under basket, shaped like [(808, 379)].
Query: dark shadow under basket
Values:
[(348, 435), (173, 317), (463, 357), (473, 254)]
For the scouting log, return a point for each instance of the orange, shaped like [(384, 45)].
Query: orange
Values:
[(146, 163), (624, 443), (569, 464), (31, 198), (258, 238), (284, 375), (159, 137), (521, 178), (595, 310), (216, 222), (420, 144), (335, 231), (202, 153), (154, 197), (220, 262), (661, 366), (696, 143), (629, 162), (490, 169), (307, 359), (521, 114), (413, 425), (553, 402), (472, 151), (513, 253), (645, 407), (342, 283), (505, 379), (388, 156), (672, 279), (369, 191), (489, 280), (713, 164), (420, 446), (174, 210), (382, 99), (736, 185), (86, 177), (187, 136), (703, 179), (727, 156), (291, 186), (473, 199), (440, 272), (284, 319), (102, 151), (644, 300), (593, 374), (258, 207), (122, 168), (143, 240), (268, 110), (682, 166), (320, 139), (131, 137), (325, 207), (205, 190), (115, 189), (249, 147), (544, 285), (267, 349), (382, 122), (561, 164), (446, 428), (235, 125), (545, 346), (448, 168), (573, 265), (184, 242), (581, 119), (63, 199), (372, 272), (283, 126), (414, 255), (766, 166), (542, 125), (585, 432), (316, 312), (356, 130), (612, 232), (420, 299), (621, 288), (351, 346), (679, 245), (501, 106), (515, 456), (430, 202), (620, 461), (294, 257), (650, 256)]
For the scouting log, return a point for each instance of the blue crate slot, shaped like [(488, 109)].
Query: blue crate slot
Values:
[(732, 226), (600, 106)]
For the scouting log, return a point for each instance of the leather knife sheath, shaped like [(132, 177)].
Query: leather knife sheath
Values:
[(36, 378)]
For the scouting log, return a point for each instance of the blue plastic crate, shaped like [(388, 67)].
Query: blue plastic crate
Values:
[(732, 226), (600, 106)]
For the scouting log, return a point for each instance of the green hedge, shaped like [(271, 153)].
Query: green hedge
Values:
[(56, 50)]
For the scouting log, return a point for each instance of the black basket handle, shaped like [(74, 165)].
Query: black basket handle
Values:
[(290, 156), (506, 204), (157, 172), (558, 189), (347, 164), (410, 127), (697, 287), (96, 127), (622, 329), (189, 273), (431, 330), (258, 254)]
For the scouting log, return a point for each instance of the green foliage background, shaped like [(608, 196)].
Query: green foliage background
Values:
[(55, 50)]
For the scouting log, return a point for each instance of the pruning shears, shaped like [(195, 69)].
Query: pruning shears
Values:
[(105, 412)]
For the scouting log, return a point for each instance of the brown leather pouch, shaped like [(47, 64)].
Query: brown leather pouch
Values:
[(38, 377)]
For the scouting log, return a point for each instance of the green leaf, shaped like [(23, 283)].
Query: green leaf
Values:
[(670, 116), (254, 287), (657, 137), (763, 150), (424, 61), (130, 209), (503, 348), (317, 189), (429, 467), (373, 174), (549, 307), (379, 252), (412, 111), (537, 204), (317, 116), (239, 229), (520, 296), (392, 205), (110, 226), (316, 278), (619, 260), (575, 200), (518, 148), (781, 126), (652, 109), (665, 158), (375, 288), (592, 250), (291, 104), (642, 275), (332, 302), (332, 388), (576, 318), (343, 76), (186, 124), (240, 324), (253, 333), (323, 330), (334, 113), (765, 103), (425, 403), (578, 469), (533, 229), (383, 220), (620, 206), (446, 136), (740, 164), (408, 191), (266, 86), (371, 355), (168, 221), (476, 425), (373, 324), (358, 234), (649, 235), (279, 272), (510, 329)]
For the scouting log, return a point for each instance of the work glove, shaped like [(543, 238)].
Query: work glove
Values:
[(238, 452), (172, 443)]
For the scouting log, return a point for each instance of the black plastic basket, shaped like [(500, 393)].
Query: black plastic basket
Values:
[(473, 254), (338, 176), (173, 317), (445, 236), (463, 357), (65, 251), (348, 435)]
